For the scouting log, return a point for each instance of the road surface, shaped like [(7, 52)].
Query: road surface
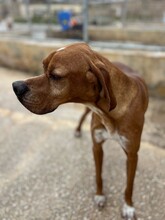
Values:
[(47, 174)]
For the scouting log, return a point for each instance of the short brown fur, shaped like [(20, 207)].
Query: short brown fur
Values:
[(117, 96)]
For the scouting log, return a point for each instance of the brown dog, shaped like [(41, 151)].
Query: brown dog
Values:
[(117, 97)]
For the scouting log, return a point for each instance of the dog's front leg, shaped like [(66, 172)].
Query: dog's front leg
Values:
[(98, 157), (128, 211), (98, 139)]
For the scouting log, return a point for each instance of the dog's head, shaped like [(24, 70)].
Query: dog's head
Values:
[(71, 74)]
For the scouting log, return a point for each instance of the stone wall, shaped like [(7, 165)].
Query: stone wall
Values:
[(136, 34), (28, 55), (152, 35), (23, 55)]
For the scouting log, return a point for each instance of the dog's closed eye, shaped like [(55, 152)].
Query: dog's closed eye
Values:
[(54, 76)]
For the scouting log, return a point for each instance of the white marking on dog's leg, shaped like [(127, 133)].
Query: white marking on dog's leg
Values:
[(100, 200), (123, 141), (100, 135), (128, 212)]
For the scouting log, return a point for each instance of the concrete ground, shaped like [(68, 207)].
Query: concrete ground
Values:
[(47, 174)]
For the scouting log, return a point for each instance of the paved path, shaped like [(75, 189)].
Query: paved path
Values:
[(47, 174)]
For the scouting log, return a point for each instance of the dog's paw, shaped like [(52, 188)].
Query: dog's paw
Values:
[(128, 212), (77, 134), (100, 200)]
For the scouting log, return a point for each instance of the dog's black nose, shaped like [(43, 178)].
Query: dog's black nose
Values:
[(20, 88)]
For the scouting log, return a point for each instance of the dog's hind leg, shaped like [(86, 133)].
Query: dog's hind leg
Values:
[(79, 126)]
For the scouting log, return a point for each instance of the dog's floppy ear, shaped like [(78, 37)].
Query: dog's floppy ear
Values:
[(47, 59), (103, 77)]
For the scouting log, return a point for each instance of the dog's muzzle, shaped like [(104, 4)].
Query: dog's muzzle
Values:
[(20, 88)]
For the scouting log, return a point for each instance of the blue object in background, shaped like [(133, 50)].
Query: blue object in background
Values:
[(64, 18)]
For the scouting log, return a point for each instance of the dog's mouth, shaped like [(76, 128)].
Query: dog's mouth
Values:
[(34, 104), (36, 107)]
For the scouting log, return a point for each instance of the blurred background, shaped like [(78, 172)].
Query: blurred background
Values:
[(126, 30), (46, 173)]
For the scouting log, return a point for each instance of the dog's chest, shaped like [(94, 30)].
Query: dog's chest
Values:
[(101, 134), (109, 132)]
